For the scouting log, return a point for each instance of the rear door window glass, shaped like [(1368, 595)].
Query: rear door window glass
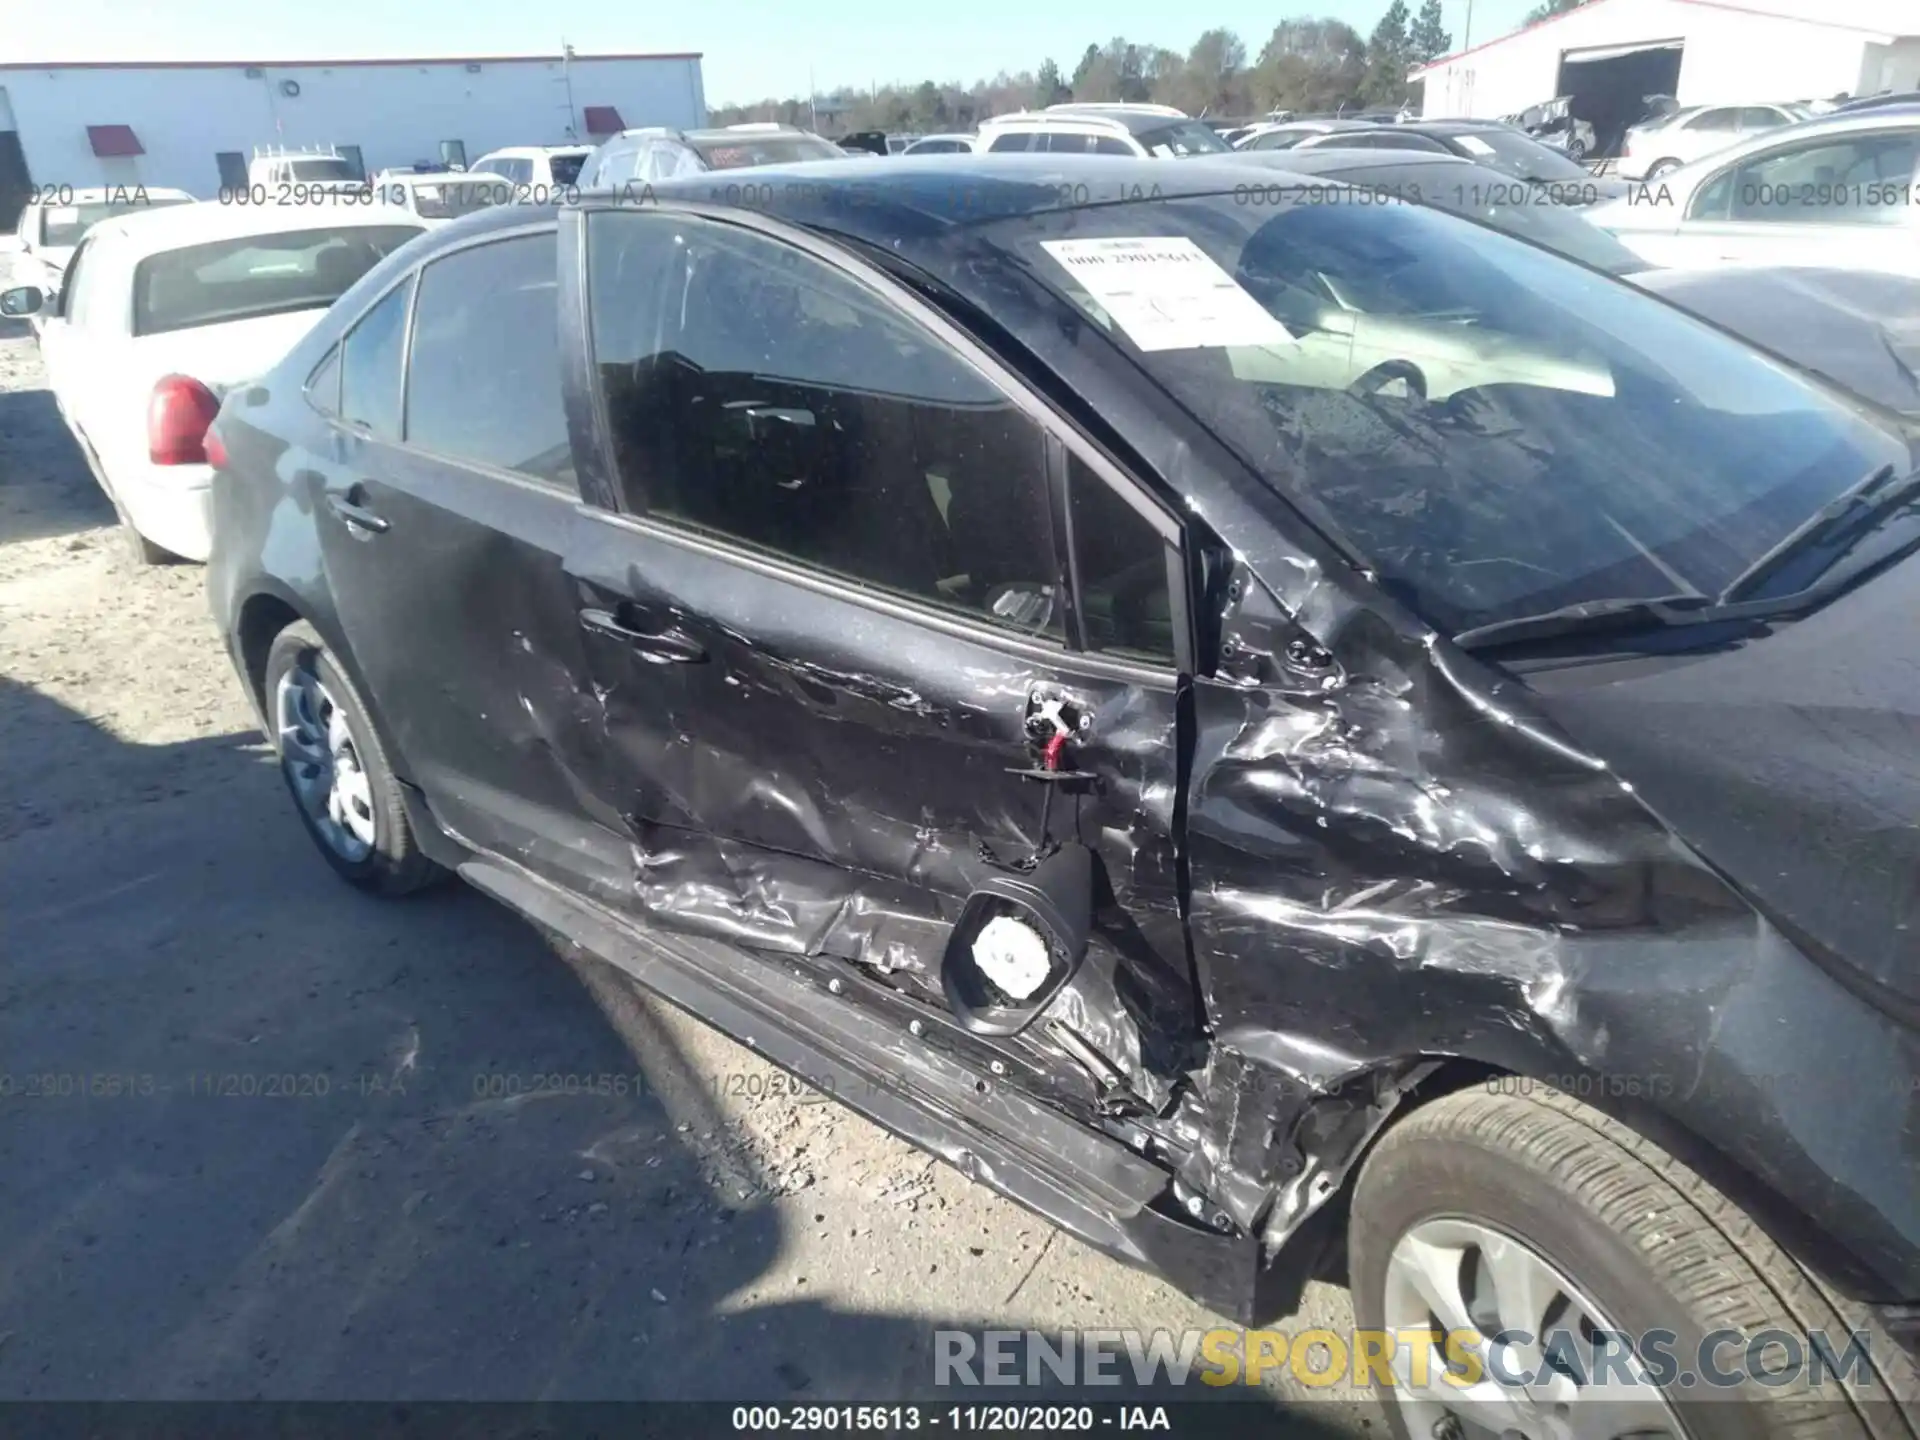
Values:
[(483, 373)]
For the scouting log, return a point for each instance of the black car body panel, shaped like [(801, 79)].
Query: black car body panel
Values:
[(1340, 864)]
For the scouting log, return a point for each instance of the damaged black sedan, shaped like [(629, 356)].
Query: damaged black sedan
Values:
[(1294, 738)]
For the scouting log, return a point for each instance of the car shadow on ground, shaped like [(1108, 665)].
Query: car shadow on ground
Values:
[(45, 487), (266, 1137)]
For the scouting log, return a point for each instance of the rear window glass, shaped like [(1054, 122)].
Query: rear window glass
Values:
[(63, 225), (737, 154), (253, 275), (566, 168), (323, 168)]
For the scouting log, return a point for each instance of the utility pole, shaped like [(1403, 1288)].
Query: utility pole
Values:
[(1466, 34), (813, 103)]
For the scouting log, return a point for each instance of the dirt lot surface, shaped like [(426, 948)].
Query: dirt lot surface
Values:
[(262, 1136)]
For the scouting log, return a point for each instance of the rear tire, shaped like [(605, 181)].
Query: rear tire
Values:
[(1640, 1239), (336, 769)]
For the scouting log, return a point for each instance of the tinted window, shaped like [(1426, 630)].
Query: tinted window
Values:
[(1499, 432), (1842, 180), (1123, 571), (565, 168), (325, 168), (370, 366), (1760, 117), (483, 373), (1061, 142), (1107, 145), (1718, 118), (254, 275), (1015, 140), (757, 394), (1277, 140)]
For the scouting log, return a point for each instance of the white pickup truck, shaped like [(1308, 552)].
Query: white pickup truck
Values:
[(326, 167)]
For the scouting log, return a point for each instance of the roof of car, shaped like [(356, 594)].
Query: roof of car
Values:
[(1321, 123), (1332, 160), (171, 227), (1454, 127), (539, 150)]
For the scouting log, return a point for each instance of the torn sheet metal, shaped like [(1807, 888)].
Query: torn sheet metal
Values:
[(834, 780)]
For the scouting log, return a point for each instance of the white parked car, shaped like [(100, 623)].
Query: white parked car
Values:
[(437, 197), (1140, 130), (943, 145), (542, 168), (51, 228), (277, 170), (162, 313), (1653, 148), (1837, 191)]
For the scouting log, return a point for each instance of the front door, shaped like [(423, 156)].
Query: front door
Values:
[(836, 622), (443, 507)]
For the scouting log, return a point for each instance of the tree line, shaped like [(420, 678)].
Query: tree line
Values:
[(1308, 66)]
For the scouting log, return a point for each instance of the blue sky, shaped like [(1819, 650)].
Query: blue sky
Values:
[(753, 48)]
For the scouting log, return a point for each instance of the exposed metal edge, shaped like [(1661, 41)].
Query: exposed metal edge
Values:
[(759, 1006)]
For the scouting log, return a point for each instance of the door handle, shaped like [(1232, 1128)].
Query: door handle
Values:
[(671, 646), (348, 508)]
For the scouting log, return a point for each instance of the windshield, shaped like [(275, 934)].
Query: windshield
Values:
[(1497, 432), (738, 152), (1519, 155), (61, 226), (254, 275), (326, 168), (1181, 139), (566, 168)]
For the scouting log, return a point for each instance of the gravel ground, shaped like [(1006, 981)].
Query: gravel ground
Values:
[(261, 1136)]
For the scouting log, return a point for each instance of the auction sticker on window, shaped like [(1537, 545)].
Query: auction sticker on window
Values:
[(1167, 293)]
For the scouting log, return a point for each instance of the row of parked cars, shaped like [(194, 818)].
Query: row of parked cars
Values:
[(1294, 735), (1819, 216)]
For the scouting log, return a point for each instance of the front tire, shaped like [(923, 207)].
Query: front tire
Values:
[(336, 769), (1486, 1212), (1662, 167)]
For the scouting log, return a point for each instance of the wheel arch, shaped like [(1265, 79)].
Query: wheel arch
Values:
[(1324, 1233)]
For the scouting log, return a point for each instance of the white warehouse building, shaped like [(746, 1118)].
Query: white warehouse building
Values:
[(1607, 54), (184, 123)]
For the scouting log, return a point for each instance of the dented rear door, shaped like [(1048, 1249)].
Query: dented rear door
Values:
[(835, 620)]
